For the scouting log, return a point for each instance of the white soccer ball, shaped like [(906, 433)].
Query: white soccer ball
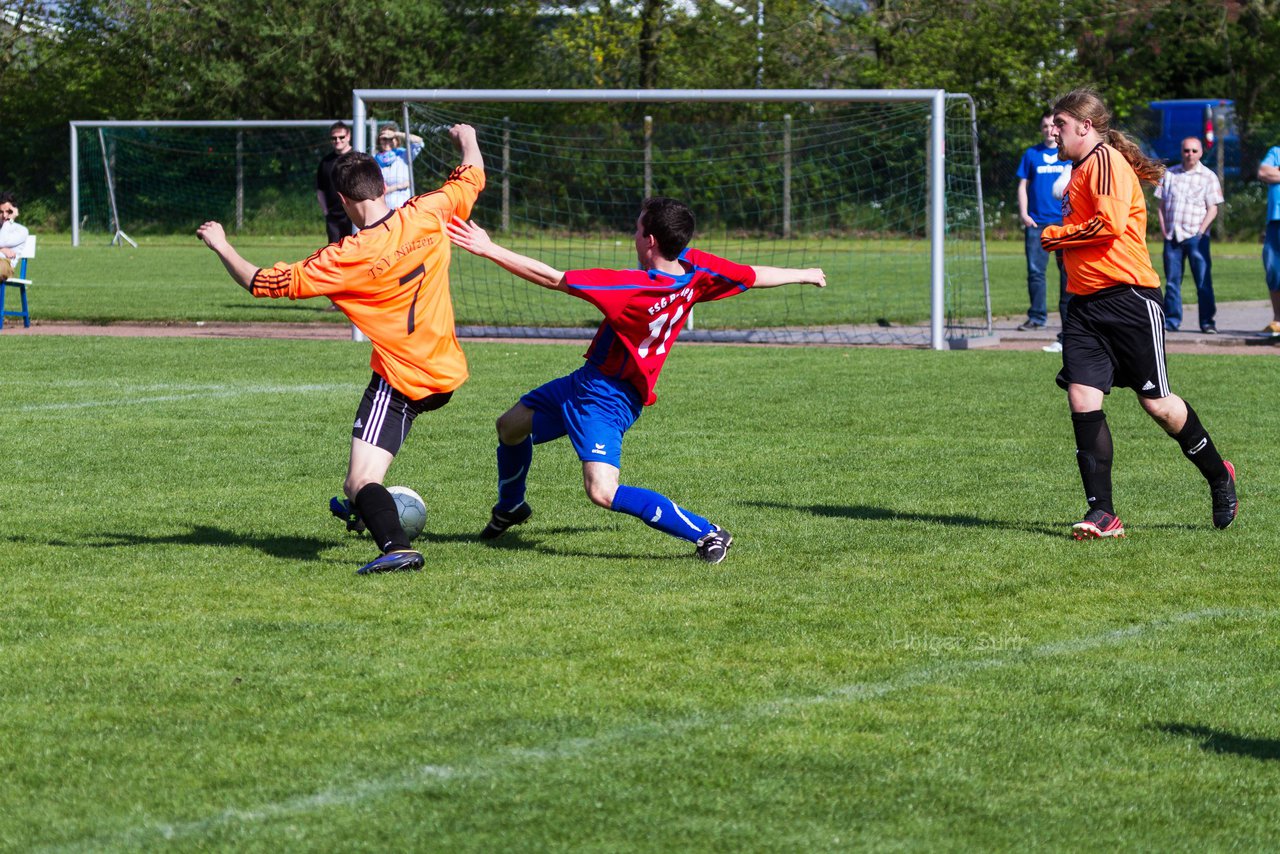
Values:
[(412, 509)]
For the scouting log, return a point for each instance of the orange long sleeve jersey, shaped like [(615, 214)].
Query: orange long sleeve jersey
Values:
[(391, 279), (1104, 226)]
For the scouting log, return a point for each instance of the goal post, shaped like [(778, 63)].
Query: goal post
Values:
[(920, 151)]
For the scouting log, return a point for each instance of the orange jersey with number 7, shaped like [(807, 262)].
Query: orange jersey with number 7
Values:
[(391, 279)]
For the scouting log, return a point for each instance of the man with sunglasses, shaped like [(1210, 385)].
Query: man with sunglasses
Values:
[(1189, 195), (336, 221)]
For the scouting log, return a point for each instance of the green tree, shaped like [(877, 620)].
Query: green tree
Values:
[(262, 58), (136, 59)]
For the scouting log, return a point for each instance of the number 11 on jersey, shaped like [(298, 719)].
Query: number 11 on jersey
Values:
[(660, 328)]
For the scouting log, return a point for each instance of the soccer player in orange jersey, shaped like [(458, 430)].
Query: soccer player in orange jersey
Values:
[(391, 278), (1114, 331)]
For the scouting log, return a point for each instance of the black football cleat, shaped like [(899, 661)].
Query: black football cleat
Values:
[(397, 561), (1225, 504), (501, 520), (714, 547), (1098, 525)]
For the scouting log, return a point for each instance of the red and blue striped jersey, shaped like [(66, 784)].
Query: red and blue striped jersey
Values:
[(644, 311)]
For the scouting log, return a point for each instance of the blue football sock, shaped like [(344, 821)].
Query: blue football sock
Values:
[(513, 472), (661, 513)]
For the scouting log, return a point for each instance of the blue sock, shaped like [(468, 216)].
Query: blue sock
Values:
[(660, 512), (513, 471)]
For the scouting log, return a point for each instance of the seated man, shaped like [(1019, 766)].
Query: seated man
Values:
[(12, 235)]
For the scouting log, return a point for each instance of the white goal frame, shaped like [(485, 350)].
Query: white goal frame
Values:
[(935, 98), (75, 126)]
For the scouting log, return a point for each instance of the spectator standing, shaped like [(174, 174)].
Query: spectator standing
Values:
[(395, 167), (1269, 174), (1189, 195), (336, 222), (1038, 207), (408, 150), (12, 235)]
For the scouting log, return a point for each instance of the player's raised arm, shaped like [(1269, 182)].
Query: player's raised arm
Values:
[(772, 277), (475, 240), (216, 239), (464, 137)]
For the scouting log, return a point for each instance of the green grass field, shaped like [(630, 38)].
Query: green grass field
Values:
[(904, 650), (177, 279)]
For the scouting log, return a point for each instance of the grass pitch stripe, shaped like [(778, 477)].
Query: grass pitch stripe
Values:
[(486, 767), (197, 393)]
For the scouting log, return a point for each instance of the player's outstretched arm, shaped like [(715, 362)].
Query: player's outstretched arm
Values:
[(772, 277), (216, 239), (475, 240)]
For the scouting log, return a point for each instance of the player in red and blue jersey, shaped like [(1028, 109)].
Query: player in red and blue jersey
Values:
[(644, 311)]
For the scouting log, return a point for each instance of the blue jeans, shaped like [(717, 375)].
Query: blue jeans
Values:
[(1271, 255), (1195, 250), (1037, 262)]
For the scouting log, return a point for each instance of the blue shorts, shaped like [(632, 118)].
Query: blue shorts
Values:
[(591, 409)]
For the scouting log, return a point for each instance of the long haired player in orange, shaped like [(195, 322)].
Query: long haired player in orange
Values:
[(1114, 330)]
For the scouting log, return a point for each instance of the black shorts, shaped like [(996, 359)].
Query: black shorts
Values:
[(385, 415), (1115, 337)]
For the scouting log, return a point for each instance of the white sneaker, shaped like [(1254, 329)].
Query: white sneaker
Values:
[(1055, 347)]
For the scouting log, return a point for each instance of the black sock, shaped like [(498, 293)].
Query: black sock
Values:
[(1093, 456), (1198, 447), (378, 510)]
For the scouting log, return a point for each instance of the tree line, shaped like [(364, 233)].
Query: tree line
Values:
[(201, 59)]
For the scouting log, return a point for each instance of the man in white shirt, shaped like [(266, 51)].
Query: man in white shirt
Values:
[(1189, 195), (12, 235)]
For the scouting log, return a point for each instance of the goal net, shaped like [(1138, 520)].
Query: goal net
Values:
[(844, 185), (167, 177), (841, 180)]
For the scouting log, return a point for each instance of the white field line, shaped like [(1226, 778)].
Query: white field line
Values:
[(192, 393), (437, 776)]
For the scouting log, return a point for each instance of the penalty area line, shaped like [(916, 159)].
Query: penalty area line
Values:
[(428, 776)]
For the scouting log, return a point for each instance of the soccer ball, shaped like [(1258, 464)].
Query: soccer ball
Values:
[(412, 510)]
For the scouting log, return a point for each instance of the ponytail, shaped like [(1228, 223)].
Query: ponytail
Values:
[(1149, 171)]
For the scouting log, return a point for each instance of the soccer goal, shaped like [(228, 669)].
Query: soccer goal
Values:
[(880, 188), (168, 176)]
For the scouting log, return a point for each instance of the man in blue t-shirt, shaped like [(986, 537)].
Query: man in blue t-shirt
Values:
[(1038, 207), (1269, 174)]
